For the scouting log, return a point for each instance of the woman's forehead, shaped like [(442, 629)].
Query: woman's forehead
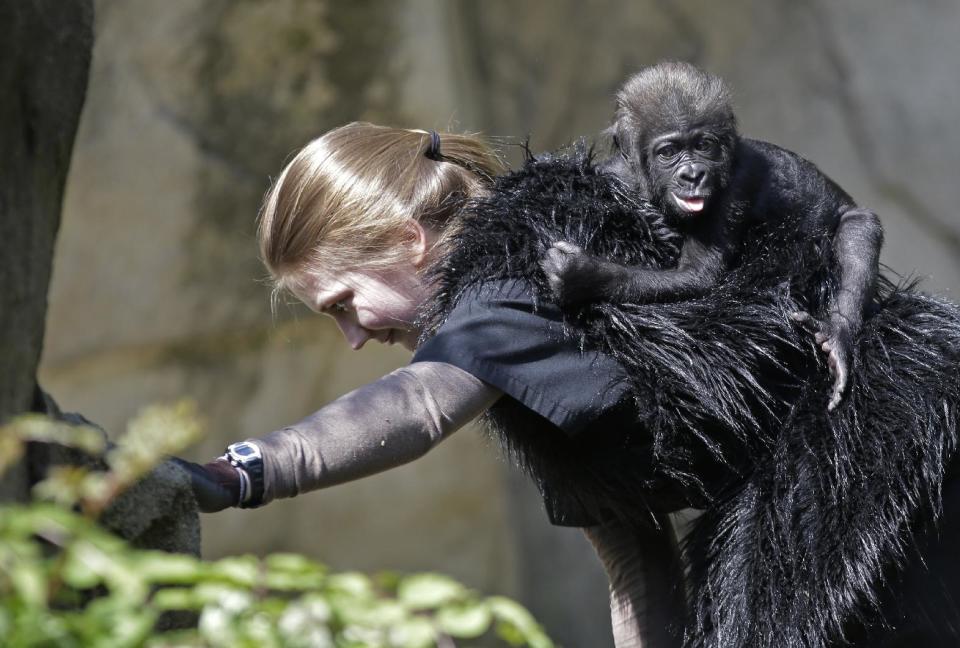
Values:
[(312, 285), (319, 284)]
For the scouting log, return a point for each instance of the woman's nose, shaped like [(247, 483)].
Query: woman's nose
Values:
[(355, 334)]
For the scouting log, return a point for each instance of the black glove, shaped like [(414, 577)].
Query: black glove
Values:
[(216, 485)]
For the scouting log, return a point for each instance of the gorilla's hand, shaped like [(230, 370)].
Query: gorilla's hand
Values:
[(216, 485), (572, 275), (836, 340)]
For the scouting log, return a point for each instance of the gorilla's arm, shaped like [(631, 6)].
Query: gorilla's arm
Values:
[(575, 277), (856, 245)]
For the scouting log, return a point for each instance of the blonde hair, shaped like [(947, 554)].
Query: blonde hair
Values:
[(343, 202)]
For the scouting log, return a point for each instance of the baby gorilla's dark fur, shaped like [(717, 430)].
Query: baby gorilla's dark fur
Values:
[(676, 140)]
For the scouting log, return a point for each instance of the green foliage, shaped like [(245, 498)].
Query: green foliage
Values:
[(65, 581)]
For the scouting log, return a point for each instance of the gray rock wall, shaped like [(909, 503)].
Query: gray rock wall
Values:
[(45, 51), (194, 104), (44, 64)]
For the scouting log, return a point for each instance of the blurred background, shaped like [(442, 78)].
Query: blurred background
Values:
[(194, 105)]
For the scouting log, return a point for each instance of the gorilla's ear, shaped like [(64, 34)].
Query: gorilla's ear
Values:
[(612, 134)]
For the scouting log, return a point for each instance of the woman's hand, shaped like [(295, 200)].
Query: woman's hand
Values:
[(216, 485)]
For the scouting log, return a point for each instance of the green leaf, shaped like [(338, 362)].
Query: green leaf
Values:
[(228, 597), (314, 636), (304, 617), (167, 568), (273, 606), (11, 448), (113, 569), (388, 581), (539, 639), (360, 637), (385, 613), (79, 573), (510, 633), (175, 598), (353, 583), (239, 570), (416, 632), (428, 591), (217, 627), (367, 612), (176, 639), (516, 625), (63, 485), (131, 628), (293, 582), (157, 430), (37, 427), (294, 563), (258, 631), (29, 582), (464, 621), (103, 622), (50, 521), (291, 572), (505, 609)]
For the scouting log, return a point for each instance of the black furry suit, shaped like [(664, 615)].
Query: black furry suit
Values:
[(807, 513)]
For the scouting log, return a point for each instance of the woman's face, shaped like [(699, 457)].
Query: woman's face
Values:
[(380, 305), (368, 304)]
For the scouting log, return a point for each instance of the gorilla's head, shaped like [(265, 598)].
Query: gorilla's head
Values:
[(676, 131)]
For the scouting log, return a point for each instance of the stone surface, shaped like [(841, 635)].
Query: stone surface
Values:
[(44, 60), (158, 512), (194, 104), (45, 52)]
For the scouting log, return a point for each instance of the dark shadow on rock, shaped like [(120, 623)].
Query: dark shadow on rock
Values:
[(158, 512)]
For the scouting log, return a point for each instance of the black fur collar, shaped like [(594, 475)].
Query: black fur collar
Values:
[(809, 509)]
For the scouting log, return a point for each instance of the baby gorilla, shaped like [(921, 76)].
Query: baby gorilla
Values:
[(676, 141)]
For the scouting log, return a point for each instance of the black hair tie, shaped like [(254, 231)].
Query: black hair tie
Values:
[(433, 151)]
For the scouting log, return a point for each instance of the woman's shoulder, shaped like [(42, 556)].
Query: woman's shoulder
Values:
[(500, 332)]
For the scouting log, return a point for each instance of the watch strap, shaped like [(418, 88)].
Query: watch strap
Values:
[(247, 458)]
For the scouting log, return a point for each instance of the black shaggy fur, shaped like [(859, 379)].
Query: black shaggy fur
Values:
[(805, 509)]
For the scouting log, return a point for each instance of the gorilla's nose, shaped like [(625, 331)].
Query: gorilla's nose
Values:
[(692, 174)]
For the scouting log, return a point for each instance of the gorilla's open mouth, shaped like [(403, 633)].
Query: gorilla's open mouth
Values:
[(691, 204)]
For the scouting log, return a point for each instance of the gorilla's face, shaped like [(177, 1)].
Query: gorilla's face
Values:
[(686, 169)]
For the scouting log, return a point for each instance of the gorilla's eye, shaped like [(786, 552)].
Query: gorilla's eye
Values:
[(706, 145), (667, 151)]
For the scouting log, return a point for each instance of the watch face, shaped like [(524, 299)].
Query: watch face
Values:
[(244, 450)]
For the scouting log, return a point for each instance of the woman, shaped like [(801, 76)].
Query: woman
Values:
[(350, 228)]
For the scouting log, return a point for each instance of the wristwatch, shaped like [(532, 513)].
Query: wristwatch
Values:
[(247, 458)]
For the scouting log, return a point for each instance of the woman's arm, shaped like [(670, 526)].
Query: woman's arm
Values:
[(389, 422), (384, 424)]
